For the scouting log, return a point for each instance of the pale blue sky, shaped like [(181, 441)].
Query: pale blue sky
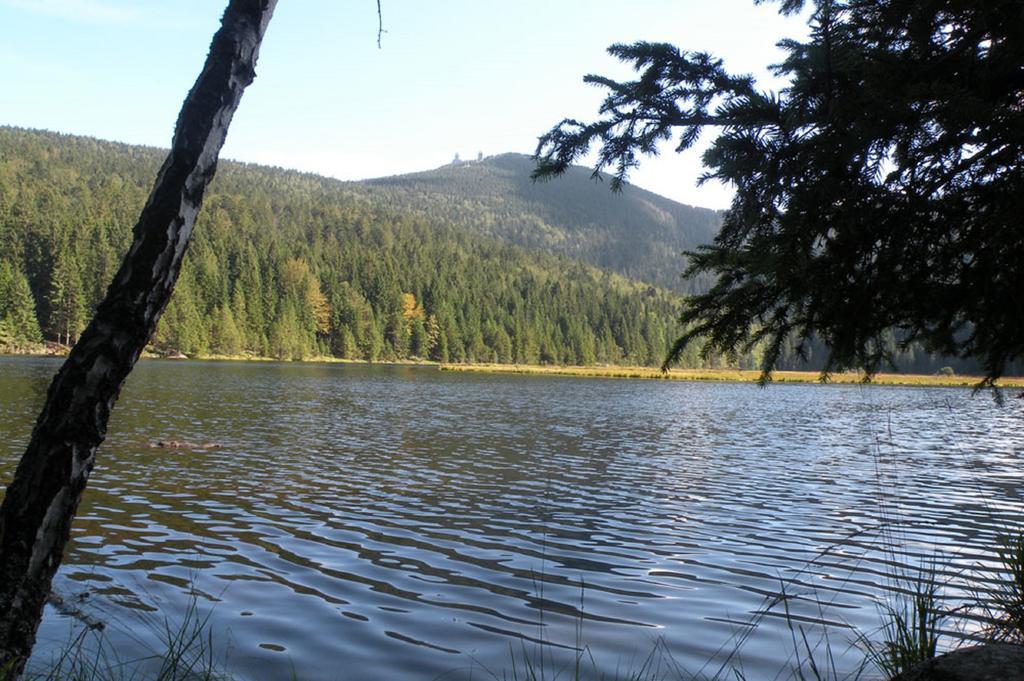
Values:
[(453, 75)]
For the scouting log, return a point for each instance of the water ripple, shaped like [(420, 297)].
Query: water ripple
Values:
[(406, 523)]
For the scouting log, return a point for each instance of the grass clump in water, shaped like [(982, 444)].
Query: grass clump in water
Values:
[(1004, 607), (910, 629), (813, 653), (186, 654), (658, 665)]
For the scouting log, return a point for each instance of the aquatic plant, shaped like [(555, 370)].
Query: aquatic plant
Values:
[(657, 665), (1004, 606), (910, 629), (186, 653), (814, 652)]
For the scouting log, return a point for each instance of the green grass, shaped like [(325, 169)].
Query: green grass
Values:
[(187, 654), (1003, 607), (657, 665), (910, 629)]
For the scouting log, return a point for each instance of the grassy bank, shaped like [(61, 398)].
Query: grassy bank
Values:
[(55, 350), (319, 359), (728, 375), (608, 371)]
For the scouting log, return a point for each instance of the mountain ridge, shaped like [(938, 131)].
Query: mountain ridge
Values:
[(635, 232), (294, 265)]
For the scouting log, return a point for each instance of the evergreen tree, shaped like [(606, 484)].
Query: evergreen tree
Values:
[(287, 336), (440, 352), (250, 282), (500, 343), (240, 317), (396, 334), (433, 341), (372, 344), (66, 298), (182, 328), (225, 338), (8, 339), (418, 340), (17, 309), (346, 346), (882, 188)]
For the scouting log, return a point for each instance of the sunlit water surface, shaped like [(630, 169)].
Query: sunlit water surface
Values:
[(406, 523)]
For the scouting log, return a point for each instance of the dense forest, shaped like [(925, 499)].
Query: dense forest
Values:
[(290, 265), (466, 263)]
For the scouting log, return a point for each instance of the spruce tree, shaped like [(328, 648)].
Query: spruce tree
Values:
[(66, 297), (17, 309), (225, 338), (880, 189)]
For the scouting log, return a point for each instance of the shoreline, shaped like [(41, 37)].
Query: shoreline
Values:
[(62, 352), (732, 375), (609, 371)]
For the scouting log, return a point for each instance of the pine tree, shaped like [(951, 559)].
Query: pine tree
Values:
[(396, 334), (250, 281), (8, 339), (373, 342), (346, 346), (433, 329), (287, 335), (440, 352)]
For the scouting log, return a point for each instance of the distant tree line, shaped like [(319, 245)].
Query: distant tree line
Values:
[(294, 266)]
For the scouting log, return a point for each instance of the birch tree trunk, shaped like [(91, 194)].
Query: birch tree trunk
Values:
[(37, 511)]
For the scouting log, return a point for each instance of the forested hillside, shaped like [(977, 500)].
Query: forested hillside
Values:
[(634, 232), (291, 265)]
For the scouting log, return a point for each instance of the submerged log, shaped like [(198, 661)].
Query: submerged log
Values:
[(35, 519), (180, 444)]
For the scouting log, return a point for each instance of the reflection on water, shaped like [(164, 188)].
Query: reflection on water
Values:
[(375, 522)]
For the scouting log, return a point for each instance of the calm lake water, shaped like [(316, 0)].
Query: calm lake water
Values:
[(406, 523)]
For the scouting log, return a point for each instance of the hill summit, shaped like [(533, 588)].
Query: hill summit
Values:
[(292, 265), (635, 233)]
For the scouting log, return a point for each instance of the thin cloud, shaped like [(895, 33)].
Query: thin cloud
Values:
[(83, 11)]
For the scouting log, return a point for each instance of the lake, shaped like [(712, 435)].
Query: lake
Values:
[(372, 522)]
